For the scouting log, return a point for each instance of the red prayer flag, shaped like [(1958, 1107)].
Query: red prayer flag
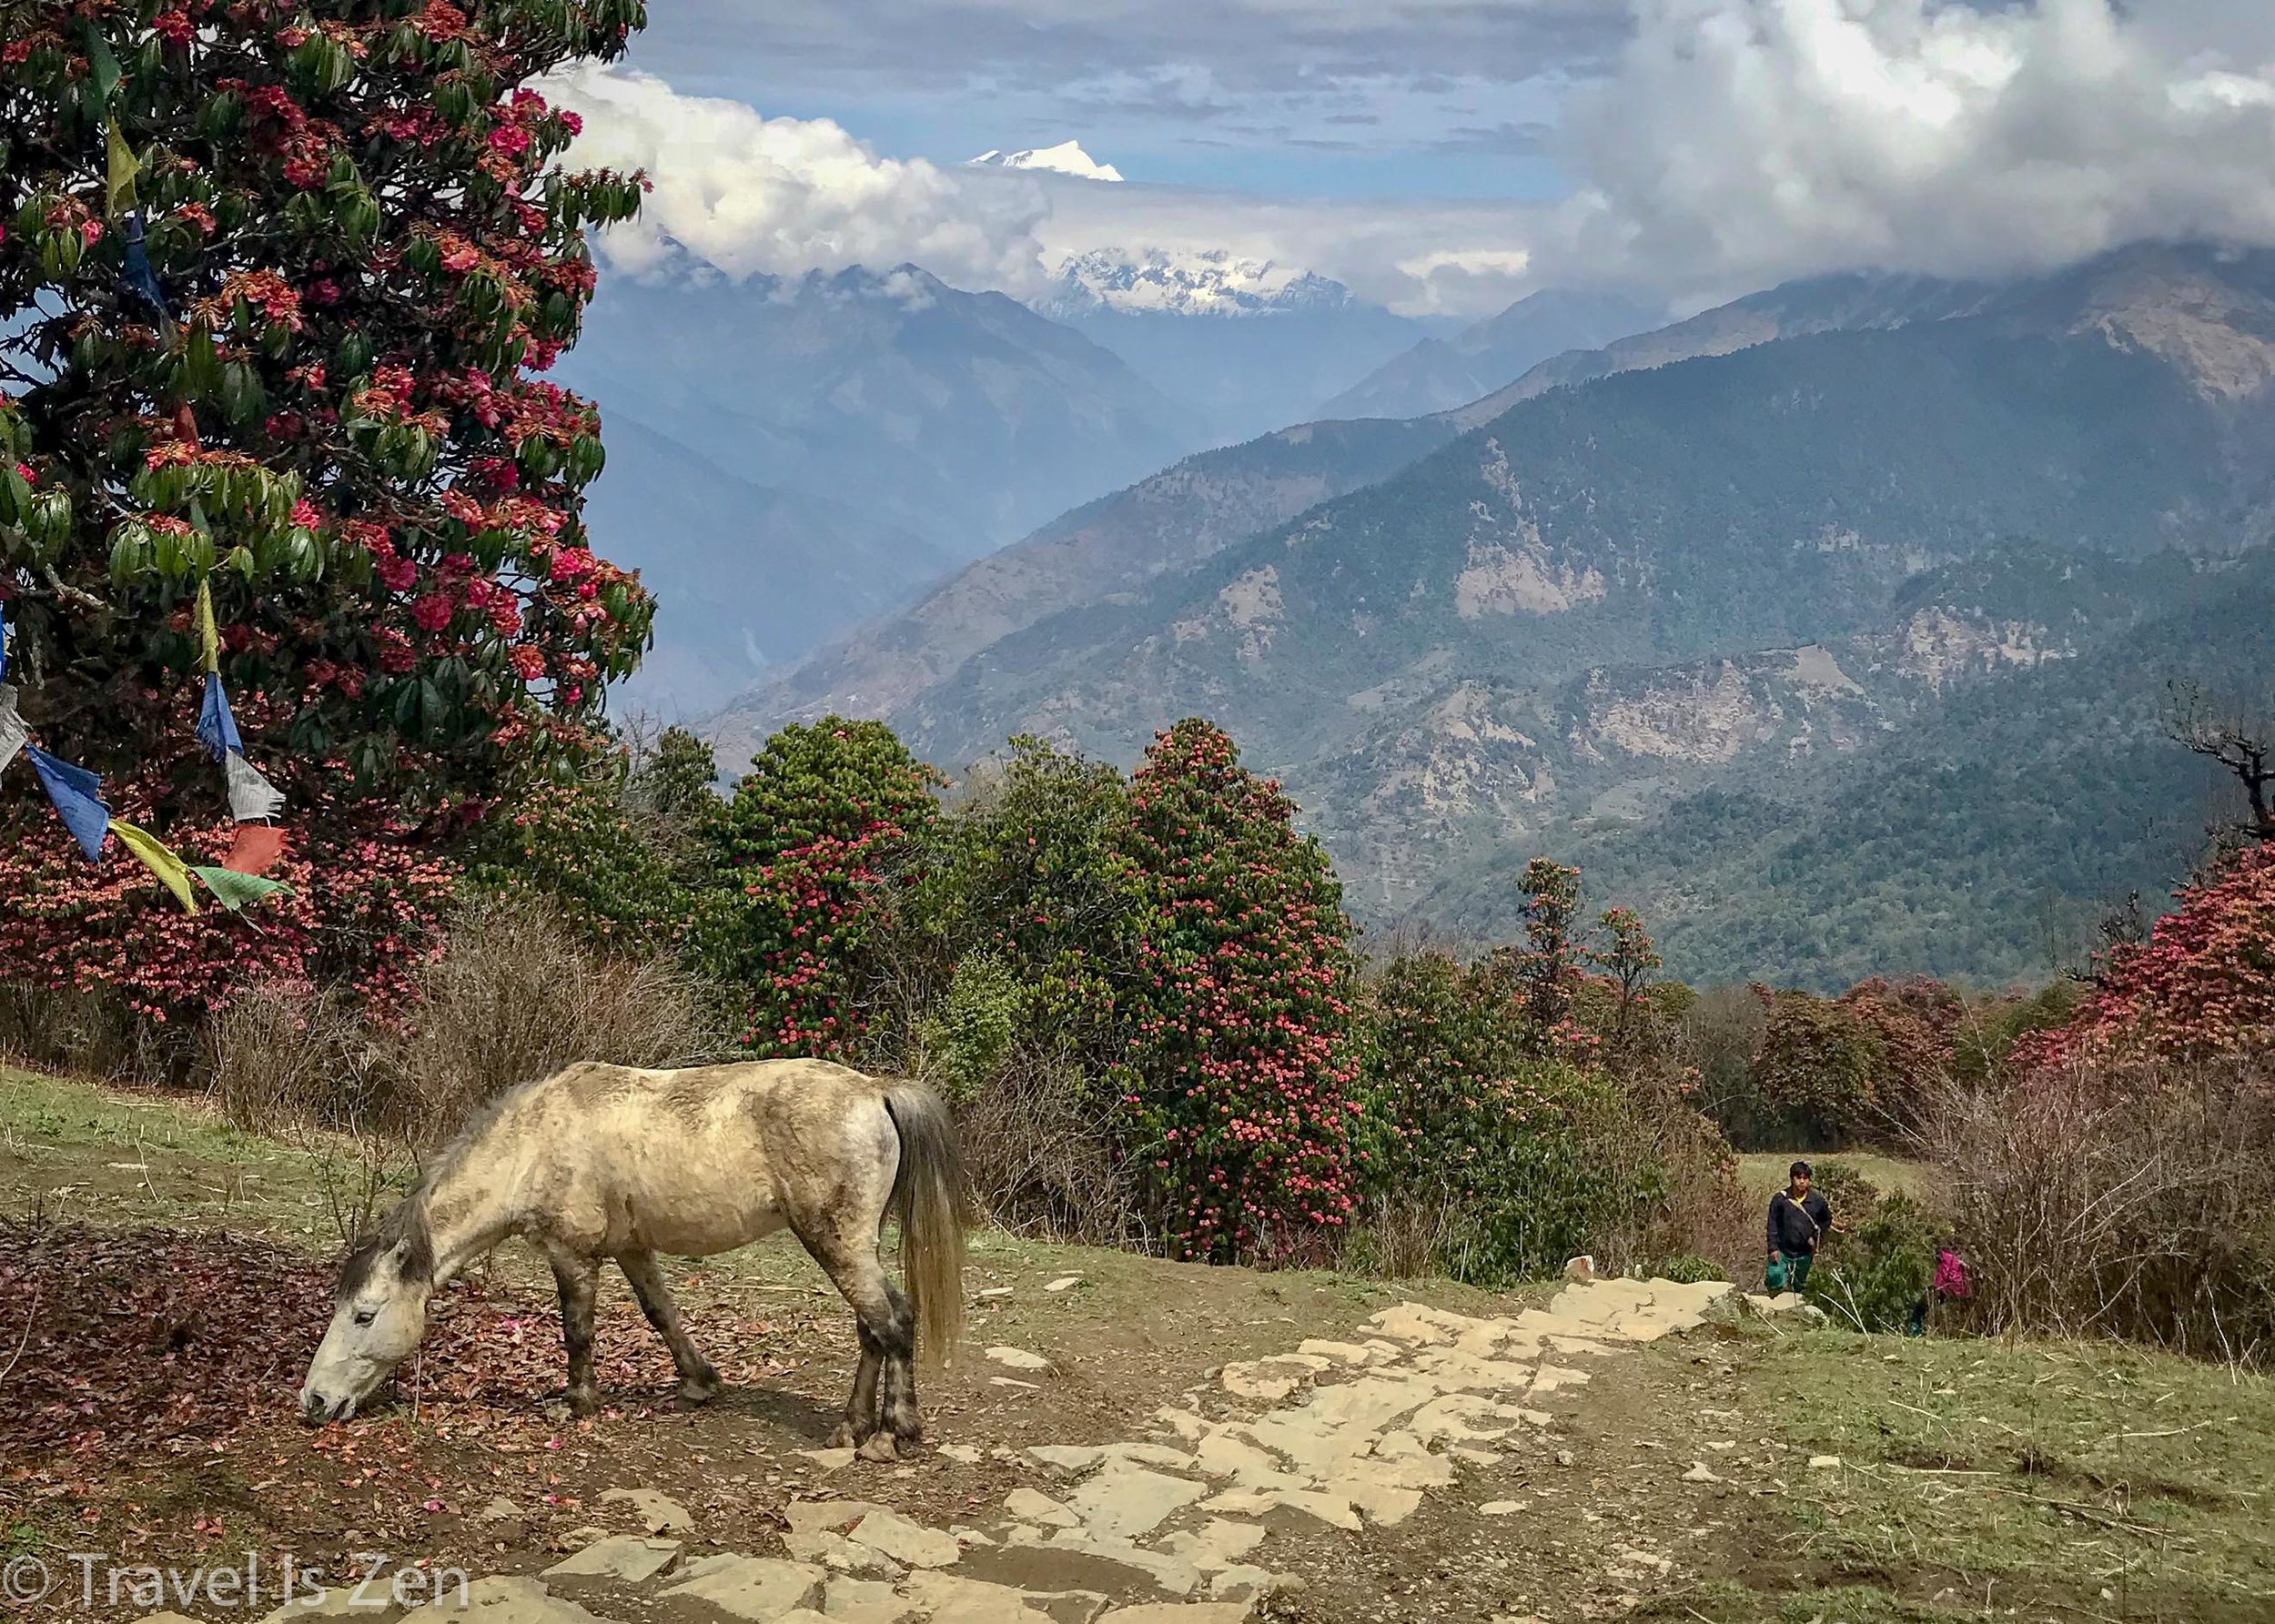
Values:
[(256, 849)]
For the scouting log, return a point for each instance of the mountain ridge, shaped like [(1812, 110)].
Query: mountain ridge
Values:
[(1443, 374), (1621, 591)]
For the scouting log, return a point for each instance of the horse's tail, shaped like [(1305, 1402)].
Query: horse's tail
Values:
[(929, 1201)]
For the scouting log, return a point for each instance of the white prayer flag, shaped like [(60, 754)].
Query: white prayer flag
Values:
[(11, 727), (251, 796)]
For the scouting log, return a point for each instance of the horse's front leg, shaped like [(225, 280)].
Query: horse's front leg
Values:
[(699, 1380), (578, 1278)]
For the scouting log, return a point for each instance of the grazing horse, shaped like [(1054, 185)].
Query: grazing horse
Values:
[(607, 1161)]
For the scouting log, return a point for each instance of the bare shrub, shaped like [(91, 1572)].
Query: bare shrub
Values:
[(1650, 1140), (2136, 1204), (515, 997), (94, 1033), (1041, 1156), (290, 1056), (1404, 1236)]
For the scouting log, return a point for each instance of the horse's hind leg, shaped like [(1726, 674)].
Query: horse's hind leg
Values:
[(577, 1277), (881, 1413), (698, 1380)]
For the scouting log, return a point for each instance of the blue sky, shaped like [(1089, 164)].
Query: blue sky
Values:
[(1284, 97), (1447, 156)]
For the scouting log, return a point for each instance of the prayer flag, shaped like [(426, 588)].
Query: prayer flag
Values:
[(77, 796), (159, 861), (217, 728), (251, 797), (237, 892), (257, 848)]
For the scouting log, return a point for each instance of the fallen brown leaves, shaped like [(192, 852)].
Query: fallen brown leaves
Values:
[(152, 1405), (141, 1342)]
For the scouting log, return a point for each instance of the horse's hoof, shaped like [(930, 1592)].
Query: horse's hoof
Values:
[(699, 1390), (585, 1403), (844, 1437), (879, 1446)]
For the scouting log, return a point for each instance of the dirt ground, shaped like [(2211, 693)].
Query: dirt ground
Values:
[(163, 1278)]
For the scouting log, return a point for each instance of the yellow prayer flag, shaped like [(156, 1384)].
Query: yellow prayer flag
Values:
[(171, 870), (119, 194), (208, 640)]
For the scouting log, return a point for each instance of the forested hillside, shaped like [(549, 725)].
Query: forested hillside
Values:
[(1585, 627)]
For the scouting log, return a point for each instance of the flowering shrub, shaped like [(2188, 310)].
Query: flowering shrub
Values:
[(1243, 1070), (361, 912), (69, 925), (809, 843), (2202, 987), (1818, 1067), (611, 852), (1026, 903), (295, 358), (1473, 1137), (368, 888)]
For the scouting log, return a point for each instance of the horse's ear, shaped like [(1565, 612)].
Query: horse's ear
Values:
[(414, 1255)]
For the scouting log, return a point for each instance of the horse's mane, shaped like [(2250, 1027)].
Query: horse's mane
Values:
[(406, 1223)]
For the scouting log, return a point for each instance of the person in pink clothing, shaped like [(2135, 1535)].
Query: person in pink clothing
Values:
[(1950, 1283)]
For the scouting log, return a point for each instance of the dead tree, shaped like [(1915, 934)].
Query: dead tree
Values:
[(2244, 746)]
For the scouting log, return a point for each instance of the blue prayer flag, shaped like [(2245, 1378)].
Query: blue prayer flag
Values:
[(77, 795), (216, 729)]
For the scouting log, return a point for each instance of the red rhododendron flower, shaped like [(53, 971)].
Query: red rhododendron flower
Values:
[(396, 655)]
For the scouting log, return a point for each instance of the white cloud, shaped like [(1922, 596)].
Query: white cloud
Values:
[(784, 196), (1737, 142), (1730, 144)]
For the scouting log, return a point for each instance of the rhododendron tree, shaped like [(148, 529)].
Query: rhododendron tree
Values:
[(1476, 1162), (814, 843), (279, 282), (2202, 987), (1244, 1069), (1818, 1067)]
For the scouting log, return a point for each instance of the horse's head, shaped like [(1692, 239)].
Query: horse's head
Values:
[(379, 1313)]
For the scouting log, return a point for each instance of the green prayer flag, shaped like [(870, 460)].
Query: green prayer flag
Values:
[(237, 892)]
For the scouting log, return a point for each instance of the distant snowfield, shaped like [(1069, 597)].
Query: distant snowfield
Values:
[(1066, 158)]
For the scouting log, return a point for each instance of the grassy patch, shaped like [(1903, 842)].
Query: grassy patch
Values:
[(1763, 1172), (2125, 1482), (1725, 1602)]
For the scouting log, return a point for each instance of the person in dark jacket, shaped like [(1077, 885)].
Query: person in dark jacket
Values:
[(1799, 1220)]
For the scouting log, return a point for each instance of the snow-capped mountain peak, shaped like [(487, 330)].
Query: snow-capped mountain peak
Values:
[(1211, 282), (1066, 158)]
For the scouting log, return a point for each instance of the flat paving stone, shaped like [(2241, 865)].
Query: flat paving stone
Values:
[(906, 1542), (758, 1588), (659, 1513), (1018, 1358), (630, 1558), (1218, 1544), (504, 1600), (1125, 1502)]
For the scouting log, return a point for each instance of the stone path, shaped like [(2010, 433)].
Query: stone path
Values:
[(1173, 1529)]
